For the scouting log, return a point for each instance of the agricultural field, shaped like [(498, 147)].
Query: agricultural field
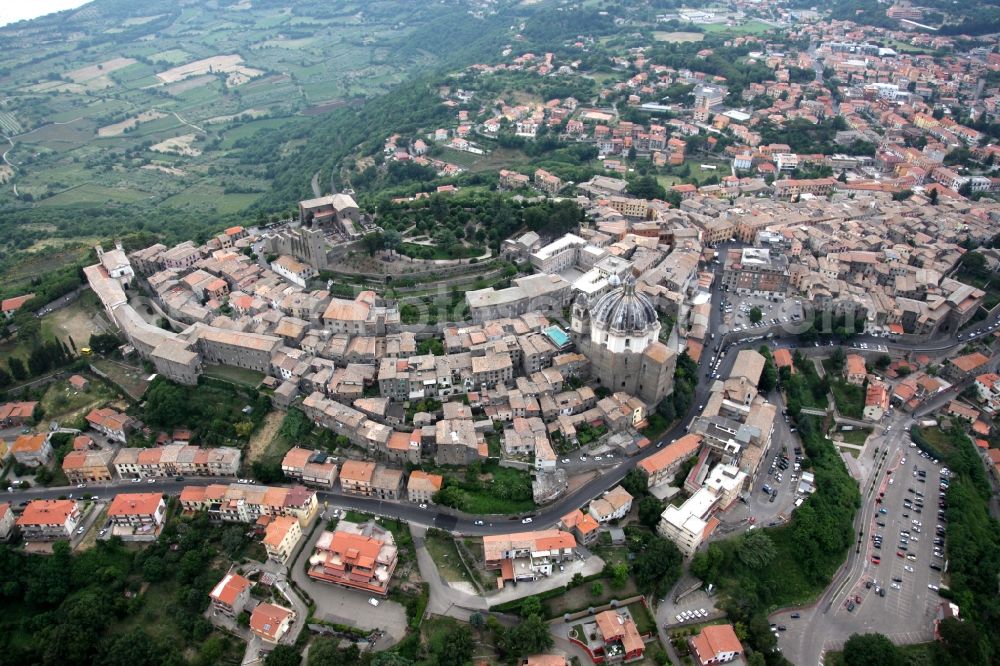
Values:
[(161, 108), (678, 37)]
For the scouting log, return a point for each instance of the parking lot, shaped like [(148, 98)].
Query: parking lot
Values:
[(775, 311), (890, 587), (907, 540)]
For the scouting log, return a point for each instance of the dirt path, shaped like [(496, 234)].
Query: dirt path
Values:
[(261, 440)]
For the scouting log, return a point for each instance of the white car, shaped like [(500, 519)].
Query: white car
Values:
[(423, 505), (373, 601), (894, 586), (908, 568), (565, 461), (478, 522), (526, 521), (678, 618), (151, 481), (931, 586), (598, 458), (136, 480)]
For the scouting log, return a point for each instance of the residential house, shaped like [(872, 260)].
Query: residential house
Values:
[(270, 622), (113, 425), (583, 526), (854, 369), (85, 465), (231, 594), (356, 477), (876, 400), (32, 450), (613, 505), (422, 486), (619, 635), (716, 644), (15, 414), (48, 520)]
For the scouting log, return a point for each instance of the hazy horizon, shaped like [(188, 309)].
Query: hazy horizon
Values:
[(28, 10)]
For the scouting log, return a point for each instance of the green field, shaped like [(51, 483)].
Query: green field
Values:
[(749, 28), (91, 194), (204, 196), (230, 373)]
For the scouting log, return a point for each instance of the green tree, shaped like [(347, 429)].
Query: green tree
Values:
[(619, 575), (755, 315), (657, 566), (650, 510), (326, 652), (635, 483), (283, 655), (871, 650), (756, 550), (104, 343), (531, 636), (596, 589), (932, 198), (17, 368), (530, 606)]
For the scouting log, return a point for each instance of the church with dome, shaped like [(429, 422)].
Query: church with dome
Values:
[(620, 333)]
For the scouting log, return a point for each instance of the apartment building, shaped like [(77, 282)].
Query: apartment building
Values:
[(48, 520), (240, 503), (689, 524), (661, 466), (176, 460), (527, 556), (356, 477), (755, 271), (231, 594), (86, 466), (422, 486), (281, 536), (361, 557)]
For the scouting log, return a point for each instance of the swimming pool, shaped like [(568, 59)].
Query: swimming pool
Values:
[(558, 336)]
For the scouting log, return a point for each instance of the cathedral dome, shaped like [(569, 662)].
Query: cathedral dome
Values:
[(624, 311)]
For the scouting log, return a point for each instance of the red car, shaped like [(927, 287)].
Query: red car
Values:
[(857, 598), (900, 553), (875, 560)]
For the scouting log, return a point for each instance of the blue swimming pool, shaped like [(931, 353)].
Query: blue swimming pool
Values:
[(559, 337)]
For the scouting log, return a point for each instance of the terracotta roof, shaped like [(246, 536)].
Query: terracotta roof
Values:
[(230, 587), (716, 639), (278, 529), (131, 504), (357, 471), (47, 512), (424, 481), (14, 303), (496, 544), (969, 362), (266, 620), (669, 455), (28, 443)]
